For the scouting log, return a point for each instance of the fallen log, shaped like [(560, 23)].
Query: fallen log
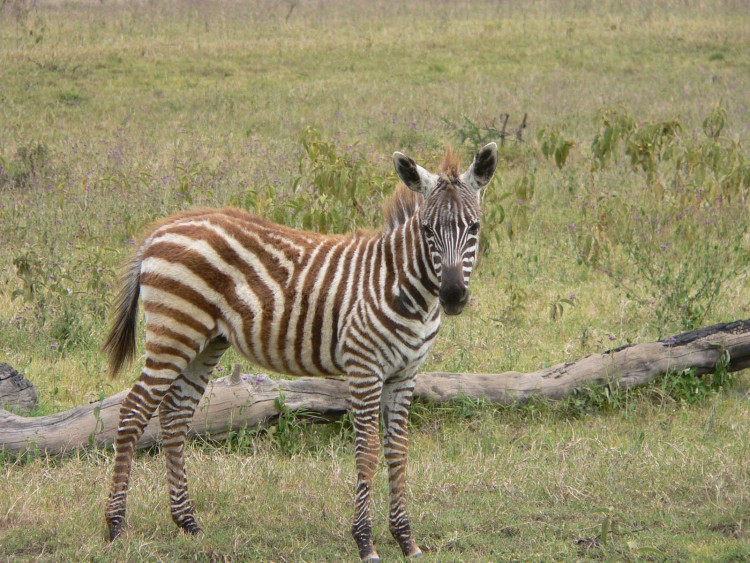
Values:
[(240, 400)]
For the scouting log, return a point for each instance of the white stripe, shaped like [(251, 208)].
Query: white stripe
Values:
[(291, 331)]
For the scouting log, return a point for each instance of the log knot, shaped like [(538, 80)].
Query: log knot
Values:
[(236, 376)]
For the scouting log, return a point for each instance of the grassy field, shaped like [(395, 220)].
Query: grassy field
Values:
[(621, 218)]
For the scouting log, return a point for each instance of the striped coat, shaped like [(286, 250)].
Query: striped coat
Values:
[(364, 305)]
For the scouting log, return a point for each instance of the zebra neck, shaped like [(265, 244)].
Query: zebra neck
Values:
[(413, 289)]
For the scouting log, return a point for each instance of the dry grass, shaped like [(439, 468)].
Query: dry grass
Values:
[(488, 486)]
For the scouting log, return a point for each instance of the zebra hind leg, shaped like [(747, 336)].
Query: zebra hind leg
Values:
[(135, 412), (395, 404), (175, 414)]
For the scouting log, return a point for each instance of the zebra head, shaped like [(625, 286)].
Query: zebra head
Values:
[(450, 218)]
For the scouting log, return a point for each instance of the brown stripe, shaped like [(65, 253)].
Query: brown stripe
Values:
[(162, 366), (164, 349), (171, 333)]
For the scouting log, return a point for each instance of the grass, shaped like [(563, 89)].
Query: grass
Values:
[(490, 485), (114, 117)]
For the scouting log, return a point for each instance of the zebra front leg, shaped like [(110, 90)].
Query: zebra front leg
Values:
[(365, 394), (175, 414), (395, 404), (135, 412)]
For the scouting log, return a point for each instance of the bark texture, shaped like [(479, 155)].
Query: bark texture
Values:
[(249, 400)]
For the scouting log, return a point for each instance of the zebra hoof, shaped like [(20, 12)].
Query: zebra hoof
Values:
[(114, 531), (371, 557), (412, 552), (191, 528)]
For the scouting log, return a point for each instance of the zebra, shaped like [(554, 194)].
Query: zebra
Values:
[(364, 305)]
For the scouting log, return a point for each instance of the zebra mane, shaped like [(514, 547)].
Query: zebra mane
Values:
[(449, 167), (400, 207), (404, 202)]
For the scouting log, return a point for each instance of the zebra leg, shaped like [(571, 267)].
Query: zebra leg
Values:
[(135, 412), (365, 392), (175, 414), (395, 404)]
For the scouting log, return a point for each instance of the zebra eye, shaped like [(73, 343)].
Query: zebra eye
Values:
[(428, 230), (474, 228)]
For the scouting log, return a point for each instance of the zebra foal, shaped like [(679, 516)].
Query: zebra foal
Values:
[(366, 306)]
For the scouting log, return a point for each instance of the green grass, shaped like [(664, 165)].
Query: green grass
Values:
[(114, 116)]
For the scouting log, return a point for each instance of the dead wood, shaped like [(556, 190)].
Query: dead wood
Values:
[(249, 400), (16, 392)]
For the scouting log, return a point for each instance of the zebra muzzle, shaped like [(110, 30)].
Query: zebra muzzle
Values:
[(453, 291)]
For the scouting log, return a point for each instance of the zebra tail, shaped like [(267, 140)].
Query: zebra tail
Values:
[(120, 344)]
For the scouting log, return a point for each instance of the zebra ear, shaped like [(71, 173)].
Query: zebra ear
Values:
[(413, 175), (482, 169)]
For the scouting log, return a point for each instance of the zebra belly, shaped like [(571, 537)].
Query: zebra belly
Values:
[(291, 343)]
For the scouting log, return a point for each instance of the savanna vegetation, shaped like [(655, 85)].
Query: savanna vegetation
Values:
[(620, 217)]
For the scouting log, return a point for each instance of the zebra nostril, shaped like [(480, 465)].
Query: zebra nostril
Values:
[(453, 289), (453, 294), (453, 299)]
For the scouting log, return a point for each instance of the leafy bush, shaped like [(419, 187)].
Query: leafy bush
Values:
[(62, 304), (334, 192), (29, 163), (683, 239), (554, 145), (473, 135)]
